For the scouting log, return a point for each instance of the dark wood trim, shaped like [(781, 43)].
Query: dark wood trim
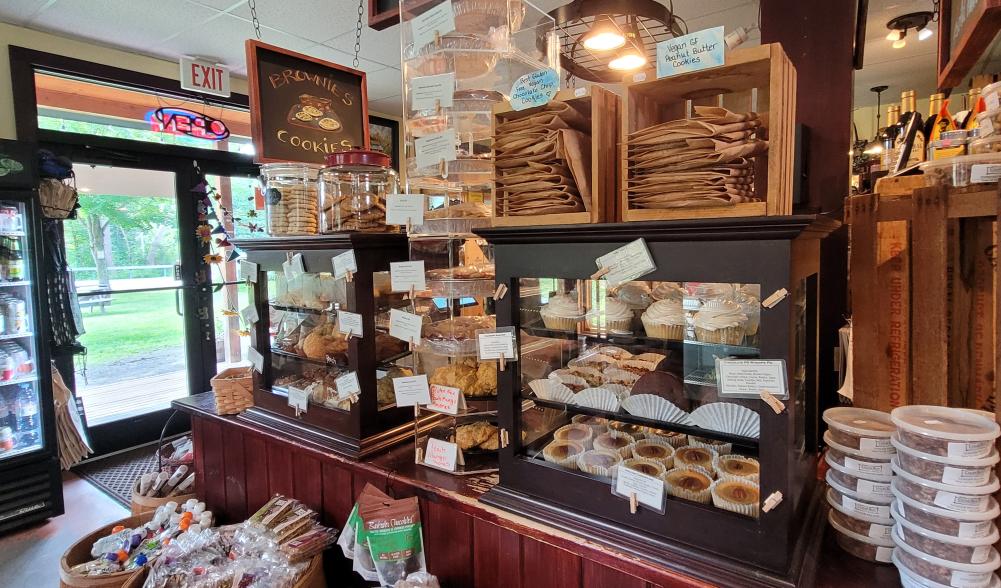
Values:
[(395, 125), (976, 36)]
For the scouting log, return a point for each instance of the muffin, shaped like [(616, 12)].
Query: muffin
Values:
[(615, 317), (728, 467), (576, 433), (688, 483), (740, 496), (655, 449), (620, 443), (689, 456), (720, 321), (645, 466), (561, 313), (665, 319), (598, 462), (563, 453)]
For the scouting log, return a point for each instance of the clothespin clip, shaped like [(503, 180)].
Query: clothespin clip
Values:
[(437, 106), (505, 439), (772, 501), (412, 344), (500, 291), (776, 297), (353, 398), (443, 168), (501, 359), (437, 39), (600, 273), (777, 405), (419, 455), (417, 411), (349, 276), (633, 503), (412, 297), (459, 460), (409, 225)]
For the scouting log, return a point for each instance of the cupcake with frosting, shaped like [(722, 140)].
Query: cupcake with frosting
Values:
[(748, 297), (616, 316), (668, 291), (665, 319), (562, 313), (720, 321), (635, 295)]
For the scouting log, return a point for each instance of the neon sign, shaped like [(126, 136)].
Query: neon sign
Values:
[(180, 121)]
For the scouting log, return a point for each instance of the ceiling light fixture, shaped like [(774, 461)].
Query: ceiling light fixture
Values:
[(630, 57), (900, 43), (913, 20), (893, 36), (603, 36), (924, 34)]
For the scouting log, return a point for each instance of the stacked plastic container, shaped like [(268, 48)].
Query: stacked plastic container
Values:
[(944, 512), (860, 478)]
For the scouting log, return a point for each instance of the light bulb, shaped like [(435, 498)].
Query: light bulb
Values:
[(899, 44), (893, 35), (603, 36), (924, 34), (627, 60)]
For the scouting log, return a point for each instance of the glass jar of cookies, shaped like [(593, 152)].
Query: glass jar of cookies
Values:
[(353, 190), (291, 200)]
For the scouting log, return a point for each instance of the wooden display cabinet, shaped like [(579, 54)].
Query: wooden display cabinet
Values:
[(701, 266)]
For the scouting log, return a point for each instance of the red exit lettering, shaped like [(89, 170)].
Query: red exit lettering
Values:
[(207, 77)]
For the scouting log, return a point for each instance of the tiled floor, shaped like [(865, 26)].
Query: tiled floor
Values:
[(29, 558)]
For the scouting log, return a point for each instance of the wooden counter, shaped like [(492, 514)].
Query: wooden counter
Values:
[(240, 465)]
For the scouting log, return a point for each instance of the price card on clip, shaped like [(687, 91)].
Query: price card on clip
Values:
[(411, 390), (649, 490), (439, 20), (407, 275), (627, 263), (442, 454), (446, 399), (430, 92), (256, 359), (402, 209), (294, 267), (249, 314), (344, 263), (534, 89), (435, 148), (347, 385), (298, 398), (349, 323), (404, 325), (248, 270), (494, 345), (748, 378)]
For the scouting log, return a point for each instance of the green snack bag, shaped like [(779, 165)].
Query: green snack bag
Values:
[(392, 529), (352, 539)]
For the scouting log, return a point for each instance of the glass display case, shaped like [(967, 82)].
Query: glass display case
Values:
[(304, 332), (616, 377)]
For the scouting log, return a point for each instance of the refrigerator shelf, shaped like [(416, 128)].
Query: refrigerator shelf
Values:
[(21, 380), (19, 451), (6, 336), (15, 284)]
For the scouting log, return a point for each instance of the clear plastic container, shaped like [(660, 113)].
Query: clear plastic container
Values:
[(468, 56), (876, 489), (855, 462), (957, 172), (947, 470), (946, 522), (353, 190), (862, 524), (988, 144), (909, 579), (867, 431), (956, 498), (989, 122), (949, 573), (291, 200), (484, 17), (854, 505), (947, 432), (974, 551), (861, 546)]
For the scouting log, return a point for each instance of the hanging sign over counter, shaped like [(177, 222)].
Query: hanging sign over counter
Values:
[(200, 75), (303, 108), (692, 52)]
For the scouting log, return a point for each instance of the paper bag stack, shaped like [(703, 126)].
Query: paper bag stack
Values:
[(706, 160), (543, 162)]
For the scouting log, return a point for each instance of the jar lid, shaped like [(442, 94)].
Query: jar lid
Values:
[(945, 423), (358, 157), (954, 135), (860, 421)]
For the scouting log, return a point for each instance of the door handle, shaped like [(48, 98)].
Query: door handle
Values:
[(177, 302)]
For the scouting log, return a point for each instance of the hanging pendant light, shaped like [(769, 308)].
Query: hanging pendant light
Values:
[(603, 36), (629, 57)]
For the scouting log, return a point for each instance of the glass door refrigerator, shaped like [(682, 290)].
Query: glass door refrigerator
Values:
[(30, 479)]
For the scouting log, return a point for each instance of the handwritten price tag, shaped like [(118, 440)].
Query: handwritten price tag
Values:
[(626, 263), (248, 270), (446, 399), (692, 52), (411, 390), (534, 89), (441, 454), (344, 263)]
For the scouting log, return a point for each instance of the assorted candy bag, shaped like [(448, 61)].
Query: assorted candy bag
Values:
[(392, 531)]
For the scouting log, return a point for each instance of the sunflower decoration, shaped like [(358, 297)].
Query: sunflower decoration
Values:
[(244, 332), (212, 258), (204, 232), (230, 312)]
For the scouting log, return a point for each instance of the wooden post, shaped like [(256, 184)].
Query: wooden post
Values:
[(865, 310), (929, 350), (893, 290)]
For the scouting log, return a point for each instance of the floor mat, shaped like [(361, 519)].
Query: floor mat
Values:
[(115, 474)]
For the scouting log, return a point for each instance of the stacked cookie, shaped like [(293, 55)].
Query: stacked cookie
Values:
[(942, 497), (859, 455), (365, 212), (292, 208)]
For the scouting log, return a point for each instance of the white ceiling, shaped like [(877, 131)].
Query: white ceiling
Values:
[(323, 28)]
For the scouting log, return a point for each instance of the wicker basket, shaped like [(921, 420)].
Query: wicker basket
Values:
[(145, 504), (234, 390), (79, 553)]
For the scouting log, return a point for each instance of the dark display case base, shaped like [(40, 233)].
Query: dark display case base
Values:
[(685, 560)]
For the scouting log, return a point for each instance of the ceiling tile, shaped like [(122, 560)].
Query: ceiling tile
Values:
[(316, 20), (384, 83), (342, 58), (392, 106), (20, 11), (219, 4), (226, 43), (379, 46)]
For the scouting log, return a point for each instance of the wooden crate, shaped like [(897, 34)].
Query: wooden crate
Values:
[(760, 79), (604, 108), (924, 303)]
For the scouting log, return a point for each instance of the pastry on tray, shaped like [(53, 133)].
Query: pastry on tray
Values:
[(478, 435), (688, 483), (473, 378), (735, 495)]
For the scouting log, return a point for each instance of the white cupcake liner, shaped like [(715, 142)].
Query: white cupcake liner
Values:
[(616, 352), (675, 440), (728, 417), (595, 360), (598, 399), (598, 428), (567, 377), (614, 375), (700, 496), (650, 357), (591, 374), (621, 392), (559, 323), (663, 330), (569, 462), (551, 390), (667, 461), (624, 451), (595, 469), (658, 408), (634, 461), (725, 336), (750, 510), (560, 433), (724, 475), (720, 448)]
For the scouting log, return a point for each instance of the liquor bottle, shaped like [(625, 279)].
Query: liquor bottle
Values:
[(910, 135), (939, 119), (887, 137), (978, 107), (964, 118)]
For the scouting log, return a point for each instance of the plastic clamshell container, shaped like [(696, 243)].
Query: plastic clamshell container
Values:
[(955, 498), (947, 470), (855, 461), (841, 469), (946, 432), (991, 93), (945, 522), (963, 170), (909, 579), (867, 548), (870, 492), (863, 524), (867, 431), (988, 144), (949, 573), (989, 121), (856, 505), (975, 551)]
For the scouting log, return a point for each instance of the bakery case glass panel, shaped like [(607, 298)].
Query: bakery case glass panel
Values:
[(625, 377)]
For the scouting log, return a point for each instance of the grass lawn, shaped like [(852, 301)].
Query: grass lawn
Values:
[(133, 324)]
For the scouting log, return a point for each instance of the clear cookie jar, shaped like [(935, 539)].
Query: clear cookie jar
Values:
[(353, 190), (290, 197)]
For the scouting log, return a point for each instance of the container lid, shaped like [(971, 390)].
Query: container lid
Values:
[(358, 157), (989, 488), (989, 539), (945, 423), (290, 167), (987, 114), (855, 474), (867, 498), (957, 134), (911, 579), (988, 566), (995, 87), (853, 535), (987, 140), (860, 421), (958, 461), (961, 159), (991, 513), (882, 458), (836, 504)]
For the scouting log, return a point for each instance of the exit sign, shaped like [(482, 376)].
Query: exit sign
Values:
[(204, 76)]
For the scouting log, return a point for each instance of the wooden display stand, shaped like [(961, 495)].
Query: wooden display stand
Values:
[(759, 79), (924, 305), (603, 107)]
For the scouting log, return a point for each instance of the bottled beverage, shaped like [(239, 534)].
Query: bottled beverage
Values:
[(909, 139), (15, 261), (966, 118), (888, 135), (27, 414)]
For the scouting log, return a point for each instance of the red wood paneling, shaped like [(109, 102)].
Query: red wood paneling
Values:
[(215, 490), (496, 556), (448, 542), (338, 494), (598, 576), (545, 565), (236, 475), (198, 453), (256, 470), (307, 480), (279, 468)]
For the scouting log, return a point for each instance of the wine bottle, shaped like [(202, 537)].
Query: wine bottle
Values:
[(887, 137), (964, 118), (931, 125), (910, 134), (978, 107)]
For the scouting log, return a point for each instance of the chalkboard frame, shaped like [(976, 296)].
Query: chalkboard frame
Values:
[(254, 48)]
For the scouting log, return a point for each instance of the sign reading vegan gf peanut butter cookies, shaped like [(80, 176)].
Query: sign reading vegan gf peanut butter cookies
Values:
[(303, 108)]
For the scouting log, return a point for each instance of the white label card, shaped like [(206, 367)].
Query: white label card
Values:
[(411, 390), (256, 359), (347, 385), (748, 378), (430, 92), (249, 314), (627, 263), (433, 149), (298, 264), (405, 208), (344, 263), (441, 454), (493, 345), (248, 270), (440, 20), (649, 490), (298, 398), (404, 325), (985, 173), (349, 323), (693, 52), (404, 275), (446, 399)]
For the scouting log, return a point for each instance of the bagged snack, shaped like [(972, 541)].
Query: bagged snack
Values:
[(347, 538), (392, 530), (419, 580), (363, 563)]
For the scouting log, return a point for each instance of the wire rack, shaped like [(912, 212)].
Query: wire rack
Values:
[(590, 65)]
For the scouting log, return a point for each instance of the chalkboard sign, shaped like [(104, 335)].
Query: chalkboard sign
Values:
[(303, 108)]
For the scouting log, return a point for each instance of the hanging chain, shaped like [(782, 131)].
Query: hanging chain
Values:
[(361, 11), (935, 10), (253, 16)]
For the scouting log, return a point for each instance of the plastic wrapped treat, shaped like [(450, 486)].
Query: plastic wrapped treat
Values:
[(860, 524), (854, 462), (861, 546), (945, 432), (944, 572), (963, 525), (865, 486), (951, 471), (954, 549), (867, 431), (955, 498)]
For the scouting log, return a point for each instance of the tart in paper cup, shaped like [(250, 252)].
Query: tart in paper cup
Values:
[(563, 453), (672, 438), (736, 467), (649, 467), (637, 432), (689, 483), (741, 496), (598, 462), (620, 443), (655, 449), (575, 433), (695, 456), (598, 424), (720, 447)]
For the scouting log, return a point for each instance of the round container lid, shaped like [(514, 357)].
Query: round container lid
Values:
[(835, 504), (855, 474), (860, 421), (989, 566), (945, 423), (990, 460), (989, 488), (853, 535), (991, 513), (911, 579), (358, 157), (877, 458), (989, 539), (864, 496)]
